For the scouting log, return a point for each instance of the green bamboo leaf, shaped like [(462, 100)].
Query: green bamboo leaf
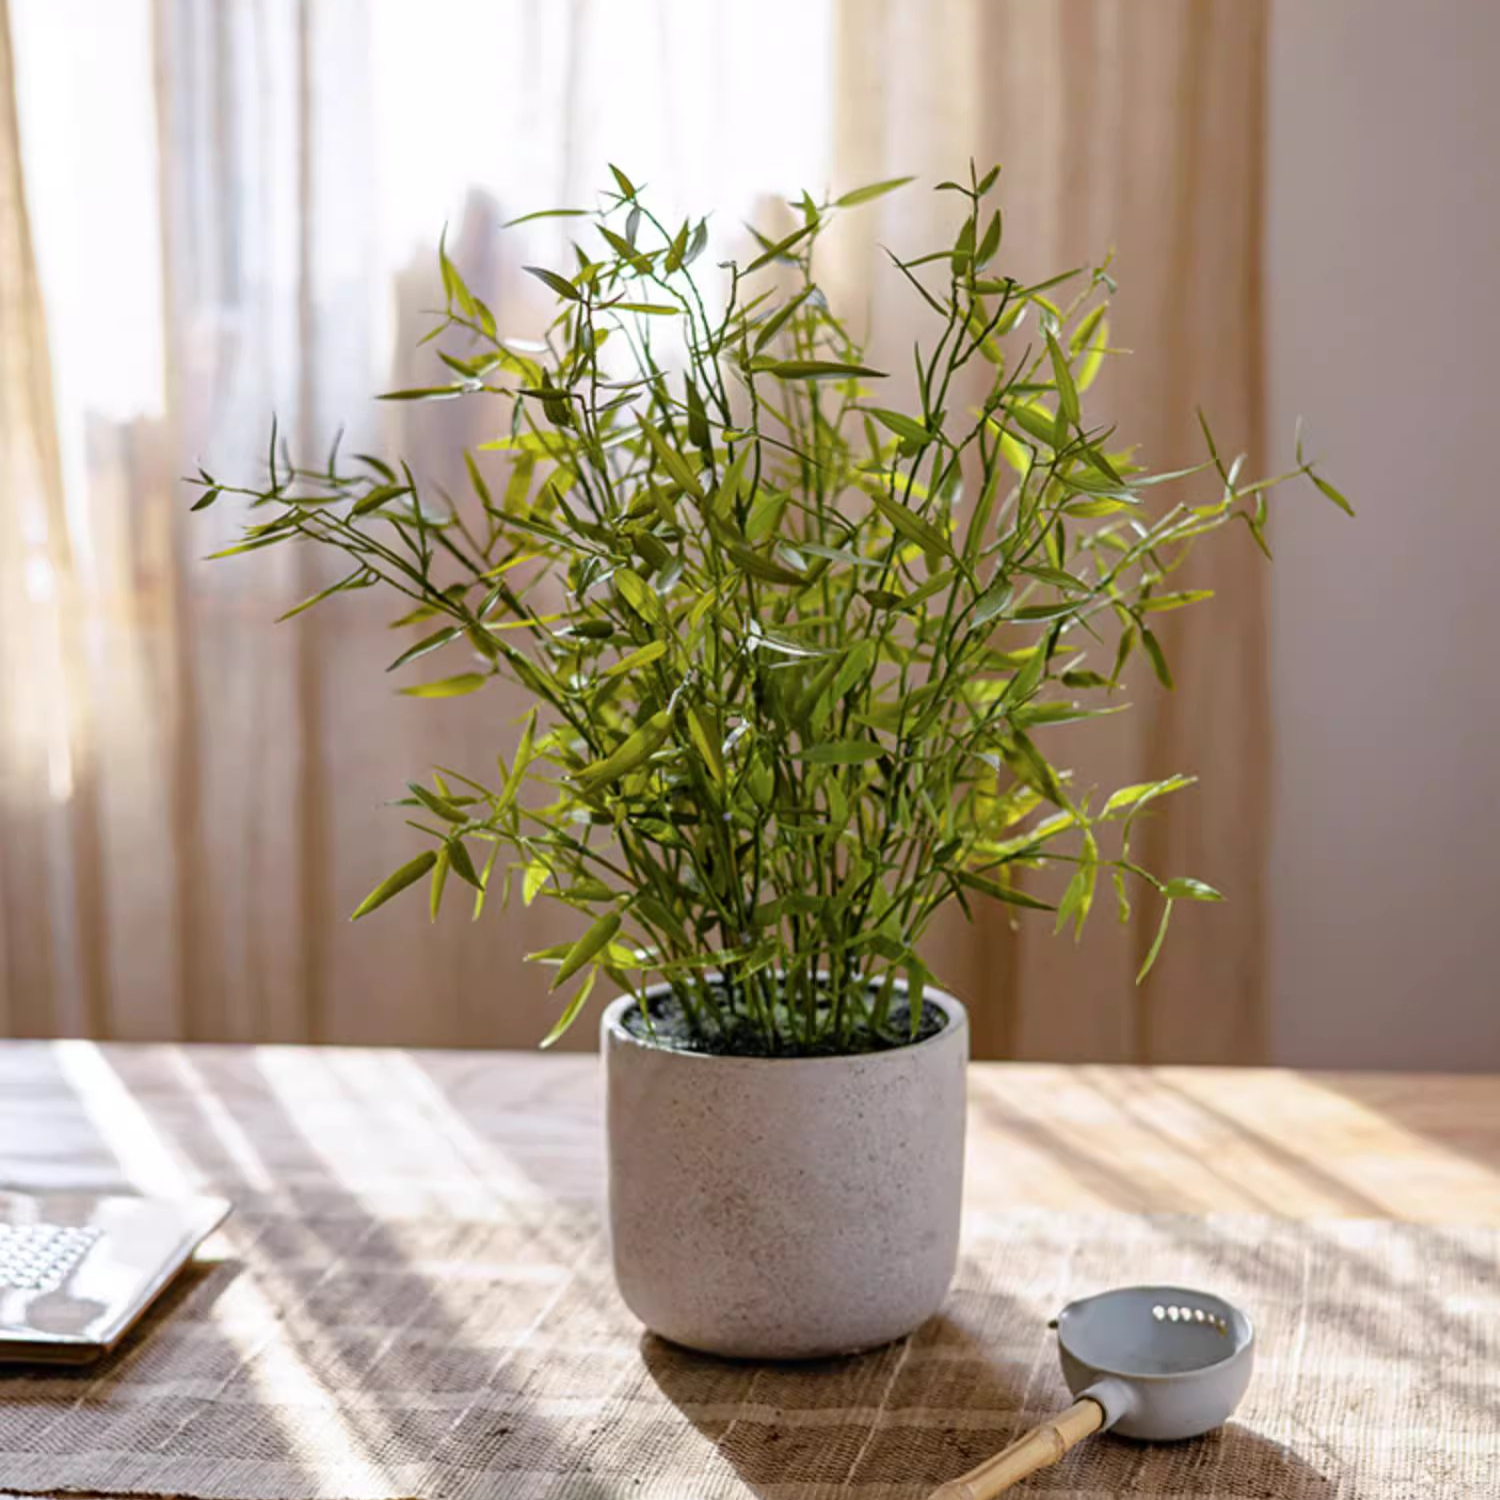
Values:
[(1007, 893), (871, 191), (349, 582), (448, 687), (1067, 393), (595, 938), (1158, 658), (841, 753), (547, 213), (1326, 489), (1184, 886), (777, 321), (1156, 942), (254, 546), (758, 565), (484, 882), (382, 494), (559, 284), (646, 309), (1035, 421), (907, 428), (393, 884), (1128, 796), (706, 742), (636, 660), (571, 1010), (439, 884), (432, 642), (1159, 602), (437, 804), (908, 524), (672, 461), (425, 393), (536, 876), (779, 249), (463, 865), (626, 186), (518, 766), (813, 369), (990, 243), (636, 749)]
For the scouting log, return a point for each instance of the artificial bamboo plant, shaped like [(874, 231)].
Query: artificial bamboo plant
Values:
[(799, 655)]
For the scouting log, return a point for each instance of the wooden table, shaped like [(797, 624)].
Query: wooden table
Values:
[(1301, 1145), (1418, 1147)]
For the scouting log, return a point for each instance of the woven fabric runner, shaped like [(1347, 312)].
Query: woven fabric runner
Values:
[(412, 1299), (332, 1355)]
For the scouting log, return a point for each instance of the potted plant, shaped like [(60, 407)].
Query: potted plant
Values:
[(797, 652)]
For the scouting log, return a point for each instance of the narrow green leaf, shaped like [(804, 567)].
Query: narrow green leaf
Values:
[(1007, 893), (428, 643), (1158, 602), (439, 884), (598, 934), (672, 461), (908, 524), (636, 749), (571, 1010), (1067, 392), (779, 249), (870, 191), (813, 369), (547, 213), (777, 321), (437, 804), (559, 284), (636, 659), (1186, 887), (1324, 488), (382, 494), (706, 742), (903, 426), (448, 687), (1158, 658), (333, 588), (841, 753), (463, 865), (518, 767), (393, 884), (1157, 941)]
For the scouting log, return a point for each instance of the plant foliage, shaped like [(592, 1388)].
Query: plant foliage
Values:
[(798, 652)]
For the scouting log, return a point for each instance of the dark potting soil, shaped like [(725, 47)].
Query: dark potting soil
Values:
[(742, 1036)]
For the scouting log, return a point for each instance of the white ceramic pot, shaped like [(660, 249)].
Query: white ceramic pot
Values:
[(785, 1208)]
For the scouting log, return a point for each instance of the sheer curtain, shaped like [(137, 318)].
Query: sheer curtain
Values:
[(234, 212)]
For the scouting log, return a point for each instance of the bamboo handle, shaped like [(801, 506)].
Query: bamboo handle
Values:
[(1031, 1451)]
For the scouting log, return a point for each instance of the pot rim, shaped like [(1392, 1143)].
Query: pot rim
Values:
[(612, 1029), (1243, 1347)]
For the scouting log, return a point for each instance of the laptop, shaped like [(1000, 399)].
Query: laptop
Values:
[(78, 1269)]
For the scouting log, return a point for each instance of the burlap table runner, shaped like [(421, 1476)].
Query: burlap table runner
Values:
[(340, 1354)]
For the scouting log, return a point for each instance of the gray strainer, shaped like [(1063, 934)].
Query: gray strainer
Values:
[(1154, 1362)]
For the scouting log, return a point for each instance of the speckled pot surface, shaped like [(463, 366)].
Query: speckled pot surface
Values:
[(785, 1208)]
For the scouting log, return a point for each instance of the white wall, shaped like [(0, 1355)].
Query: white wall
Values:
[(1383, 283)]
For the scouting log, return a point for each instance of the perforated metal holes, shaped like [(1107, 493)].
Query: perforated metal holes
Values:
[(1164, 1314)]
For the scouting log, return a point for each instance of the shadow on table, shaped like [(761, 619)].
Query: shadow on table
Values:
[(189, 1296), (908, 1417), (361, 1302)]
